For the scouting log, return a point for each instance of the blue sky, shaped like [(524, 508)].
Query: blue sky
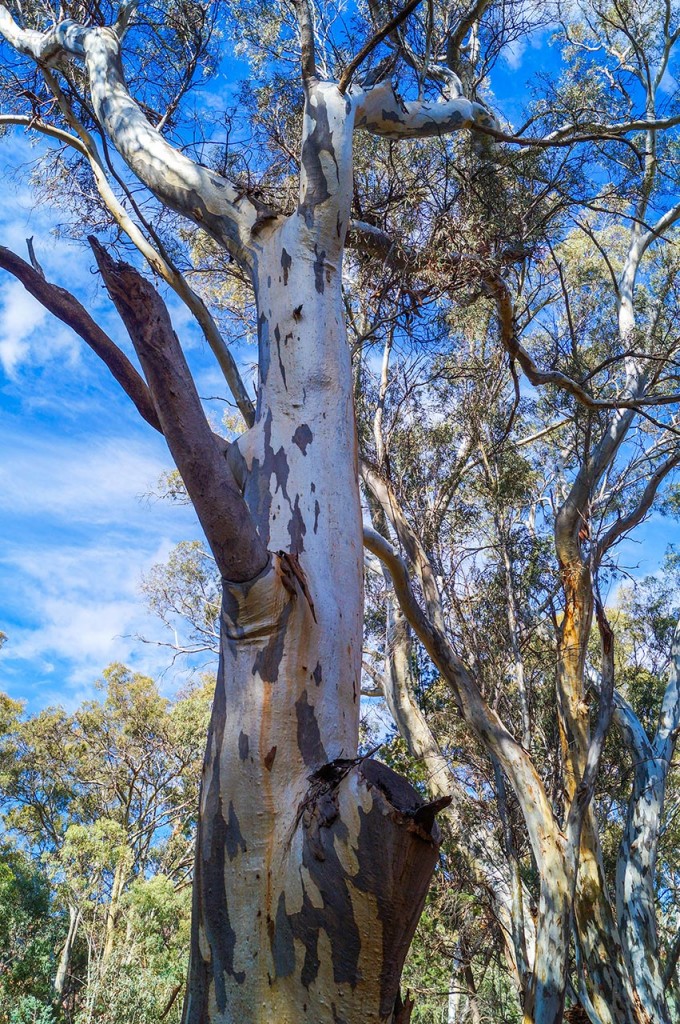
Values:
[(77, 465)]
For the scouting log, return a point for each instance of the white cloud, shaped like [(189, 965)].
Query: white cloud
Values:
[(81, 609), (86, 481), (513, 53), (20, 315), (668, 83)]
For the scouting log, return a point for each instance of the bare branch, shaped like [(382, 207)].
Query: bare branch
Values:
[(238, 550), (375, 40), (202, 195), (626, 523), (499, 289)]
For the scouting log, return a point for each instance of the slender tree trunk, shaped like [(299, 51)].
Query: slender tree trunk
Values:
[(606, 976), (545, 1004), (61, 976), (636, 862), (113, 909), (483, 857)]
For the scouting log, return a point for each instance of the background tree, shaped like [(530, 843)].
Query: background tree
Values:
[(105, 802)]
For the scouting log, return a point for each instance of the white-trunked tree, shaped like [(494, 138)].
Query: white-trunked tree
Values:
[(312, 864)]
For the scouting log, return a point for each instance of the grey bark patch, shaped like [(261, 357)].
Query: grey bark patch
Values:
[(317, 674), (319, 140), (210, 905), (283, 941), (319, 267), (308, 735), (317, 511), (263, 346), (234, 839), (258, 491), (297, 529), (336, 916), (391, 115), (282, 369), (286, 264), (243, 745), (303, 437)]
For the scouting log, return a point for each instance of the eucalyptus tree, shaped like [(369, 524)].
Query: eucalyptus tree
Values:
[(104, 800), (312, 863)]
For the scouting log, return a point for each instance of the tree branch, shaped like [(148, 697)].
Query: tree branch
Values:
[(202, 195), (381, 111), (238, 550), (305, 22), (484, 721), (157, 260), (375, 40), (626, 523)]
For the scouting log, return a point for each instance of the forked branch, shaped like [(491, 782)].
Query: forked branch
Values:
[(238, 550)]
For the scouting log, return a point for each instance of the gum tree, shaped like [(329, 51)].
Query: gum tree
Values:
[(312, 863)]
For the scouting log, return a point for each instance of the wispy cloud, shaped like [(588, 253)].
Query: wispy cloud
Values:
[(88, 481)]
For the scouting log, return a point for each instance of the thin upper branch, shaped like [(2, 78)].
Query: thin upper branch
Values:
[(382, 491), (196, 192), (374, 41), (500, 291), (626, 523)]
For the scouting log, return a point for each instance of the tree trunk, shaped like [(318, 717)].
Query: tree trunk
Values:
[(312, 865), (113, 909), (545, 1004), (61, 976), (606, 979)]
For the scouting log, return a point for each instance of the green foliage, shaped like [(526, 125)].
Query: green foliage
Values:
[(30, 1010), (103, 804), (31, 927)]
